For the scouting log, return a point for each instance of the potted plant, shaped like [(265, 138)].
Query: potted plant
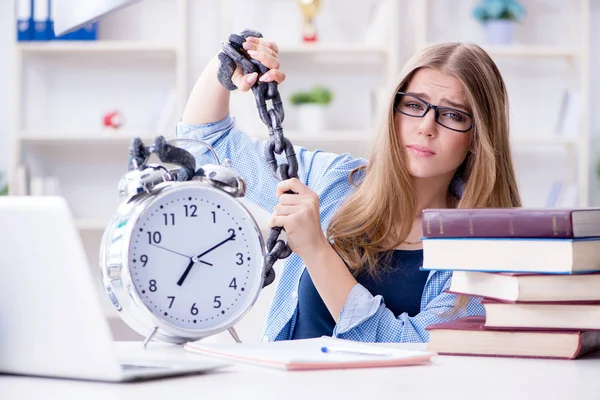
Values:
[(311, 107), (499, 18), (3, 186)]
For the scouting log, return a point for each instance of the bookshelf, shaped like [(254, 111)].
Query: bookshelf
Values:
[(565, 53), (62, 89)]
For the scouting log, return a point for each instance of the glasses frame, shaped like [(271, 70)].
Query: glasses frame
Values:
[(435, 109)]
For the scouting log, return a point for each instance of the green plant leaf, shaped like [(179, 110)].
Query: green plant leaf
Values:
[(317, 95)]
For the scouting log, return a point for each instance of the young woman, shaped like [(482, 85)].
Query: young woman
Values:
[(354, 226)]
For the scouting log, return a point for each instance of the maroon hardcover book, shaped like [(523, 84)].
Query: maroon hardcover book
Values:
[(511, 222), (472, 338)]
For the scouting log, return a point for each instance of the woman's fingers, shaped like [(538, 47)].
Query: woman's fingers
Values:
[(265, 57), (282, 210), (243, 82), (273, 75), (293, 184), (253, 43), (289, 199), (266, 52), (252, 48), (278, 220)]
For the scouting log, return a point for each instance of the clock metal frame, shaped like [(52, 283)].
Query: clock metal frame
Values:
[(116, 273)]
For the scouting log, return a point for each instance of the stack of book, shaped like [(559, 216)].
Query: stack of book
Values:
[(537, 270)]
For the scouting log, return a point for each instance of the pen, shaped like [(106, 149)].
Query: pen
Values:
[(370, 352)]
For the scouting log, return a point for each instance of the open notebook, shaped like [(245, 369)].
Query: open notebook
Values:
[(308, 354)]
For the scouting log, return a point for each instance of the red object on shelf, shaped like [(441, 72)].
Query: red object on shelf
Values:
[(113, 119), (310, 37)]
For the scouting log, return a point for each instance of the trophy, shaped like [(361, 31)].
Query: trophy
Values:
[(309, 8)]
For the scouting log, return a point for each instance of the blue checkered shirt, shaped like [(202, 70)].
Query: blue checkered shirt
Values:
[(364, 317)]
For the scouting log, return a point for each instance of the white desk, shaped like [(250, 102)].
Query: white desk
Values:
[(447, 378)]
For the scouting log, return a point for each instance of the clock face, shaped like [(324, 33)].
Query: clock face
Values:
[(195, 258)]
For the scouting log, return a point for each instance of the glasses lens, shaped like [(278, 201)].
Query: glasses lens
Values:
[(410, 105), (454, 119)]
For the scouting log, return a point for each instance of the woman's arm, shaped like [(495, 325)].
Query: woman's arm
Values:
[(209, 100), (365, 317)]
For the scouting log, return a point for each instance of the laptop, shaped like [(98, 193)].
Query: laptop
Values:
[(51, 319)]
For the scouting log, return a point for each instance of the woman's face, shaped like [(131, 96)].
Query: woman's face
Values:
[(433, 150)]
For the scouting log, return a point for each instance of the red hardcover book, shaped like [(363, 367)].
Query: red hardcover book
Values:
[(511, 222), (469, 337)]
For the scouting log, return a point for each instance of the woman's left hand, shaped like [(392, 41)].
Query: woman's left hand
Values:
[(299, 215)]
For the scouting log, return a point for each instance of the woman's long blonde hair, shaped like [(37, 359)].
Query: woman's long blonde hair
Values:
[(378, 216)]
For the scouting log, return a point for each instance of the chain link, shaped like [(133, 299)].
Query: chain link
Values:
[(277, 144)]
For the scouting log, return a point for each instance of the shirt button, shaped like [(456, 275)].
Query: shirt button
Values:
[(294, 295), (265, 338)]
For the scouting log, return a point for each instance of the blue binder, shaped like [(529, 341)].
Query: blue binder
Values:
[(41, 20), (87, 32), (51, 35), (24, 20)]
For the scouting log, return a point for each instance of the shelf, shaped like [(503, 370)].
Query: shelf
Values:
[(332, 49), (100, 46)]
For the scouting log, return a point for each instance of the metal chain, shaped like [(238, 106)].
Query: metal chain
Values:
[(232, 56), (167, 153)]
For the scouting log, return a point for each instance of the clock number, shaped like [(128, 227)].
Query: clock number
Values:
[(144, 259), (152, 287), (154, 237), (190, 211), (214, 217), (232, 233), (240, 260), (217, 302), (194, 310), (233, 284), (167, 219), (172, 300)]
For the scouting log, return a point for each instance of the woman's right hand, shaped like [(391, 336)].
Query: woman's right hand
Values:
[(267, 53)]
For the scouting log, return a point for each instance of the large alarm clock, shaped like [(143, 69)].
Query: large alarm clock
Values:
[(182, 261)]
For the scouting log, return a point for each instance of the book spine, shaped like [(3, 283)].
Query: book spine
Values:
[(456, 224)]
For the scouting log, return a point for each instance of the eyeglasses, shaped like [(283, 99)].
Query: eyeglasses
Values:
[(450, 118)]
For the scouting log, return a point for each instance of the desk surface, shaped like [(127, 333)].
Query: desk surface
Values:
[(446, 378)]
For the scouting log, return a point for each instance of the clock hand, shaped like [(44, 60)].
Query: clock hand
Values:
[(191, 264), (183, 255)]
